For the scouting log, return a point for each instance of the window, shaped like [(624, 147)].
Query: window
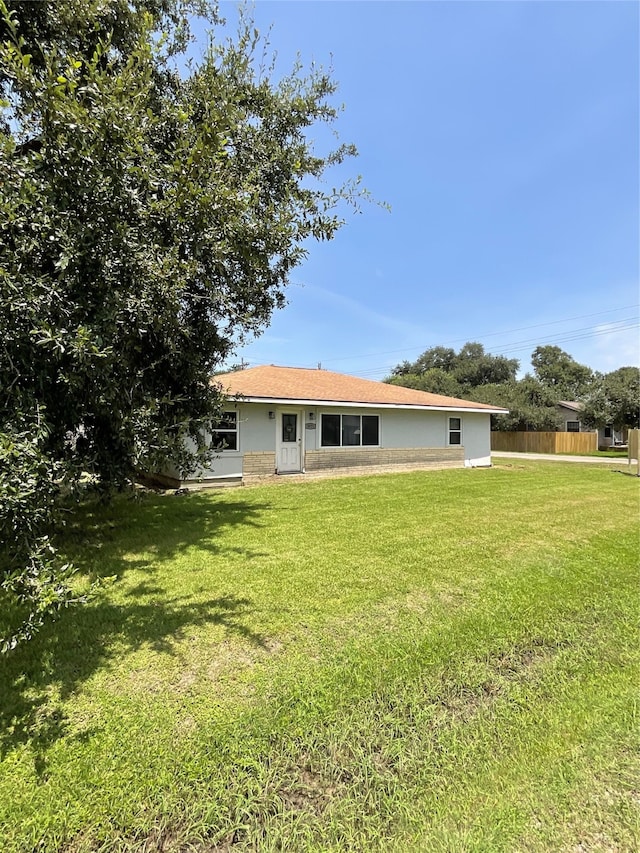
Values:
[(573, 426), (225, 436), (289, 428), (330, 431), (455, 430), (350, 431), (370, 430), (608, 432)]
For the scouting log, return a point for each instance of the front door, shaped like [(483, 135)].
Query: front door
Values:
[(289, 442)]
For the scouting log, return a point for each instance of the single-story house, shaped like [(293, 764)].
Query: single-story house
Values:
[(570, 412), (281, 420)]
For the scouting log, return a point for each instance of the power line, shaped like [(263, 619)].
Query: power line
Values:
[(571, 335), (577, 335), (483, 336)]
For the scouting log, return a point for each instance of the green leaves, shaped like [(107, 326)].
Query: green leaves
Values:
[(558, 370), (33, 582), (614, 399), (443, 371), (149, 221), (160, 215)]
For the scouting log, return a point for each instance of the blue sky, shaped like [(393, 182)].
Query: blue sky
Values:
[(504, 137)]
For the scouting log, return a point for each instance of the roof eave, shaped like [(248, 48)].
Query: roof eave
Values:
[(297, 401), (574, 407)]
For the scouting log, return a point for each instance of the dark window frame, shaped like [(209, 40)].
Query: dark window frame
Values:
[(454, 432), (226, 434), (340, 433)]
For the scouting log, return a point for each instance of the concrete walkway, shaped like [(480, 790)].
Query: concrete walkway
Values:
[(558, 457)]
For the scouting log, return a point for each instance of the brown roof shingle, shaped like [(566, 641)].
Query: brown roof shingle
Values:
[(269, 382)]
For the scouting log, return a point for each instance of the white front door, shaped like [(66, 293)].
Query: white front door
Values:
[(289, 442)]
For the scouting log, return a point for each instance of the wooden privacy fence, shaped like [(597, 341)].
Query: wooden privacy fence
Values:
[(544, 442), (634, 449)]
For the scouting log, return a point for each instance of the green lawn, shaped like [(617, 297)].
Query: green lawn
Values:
[(621, 455), (439, 661)]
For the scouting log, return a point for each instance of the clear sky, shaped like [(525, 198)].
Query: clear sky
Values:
[(504, 137)]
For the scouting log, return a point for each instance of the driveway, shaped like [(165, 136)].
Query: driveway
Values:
[(558, 457)]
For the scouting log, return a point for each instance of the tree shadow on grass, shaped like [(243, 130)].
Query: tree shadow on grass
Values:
[(153, 529), (38, 676)]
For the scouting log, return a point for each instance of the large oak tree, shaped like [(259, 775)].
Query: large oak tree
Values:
[(150, 217)]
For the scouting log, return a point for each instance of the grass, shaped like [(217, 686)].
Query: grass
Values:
[(441, 661), (612, 453)]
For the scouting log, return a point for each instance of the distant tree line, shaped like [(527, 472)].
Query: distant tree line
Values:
[(475, 374)]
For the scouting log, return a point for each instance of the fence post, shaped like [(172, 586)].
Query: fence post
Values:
[(632, 442)]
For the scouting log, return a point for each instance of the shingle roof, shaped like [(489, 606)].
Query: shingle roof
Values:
[(271, 383)]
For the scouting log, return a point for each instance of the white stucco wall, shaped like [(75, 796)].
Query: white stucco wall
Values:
[(403, 428), (476, 438), (256, 432)]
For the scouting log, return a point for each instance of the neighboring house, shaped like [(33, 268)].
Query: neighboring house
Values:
[(570, 415), (281, 420)]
